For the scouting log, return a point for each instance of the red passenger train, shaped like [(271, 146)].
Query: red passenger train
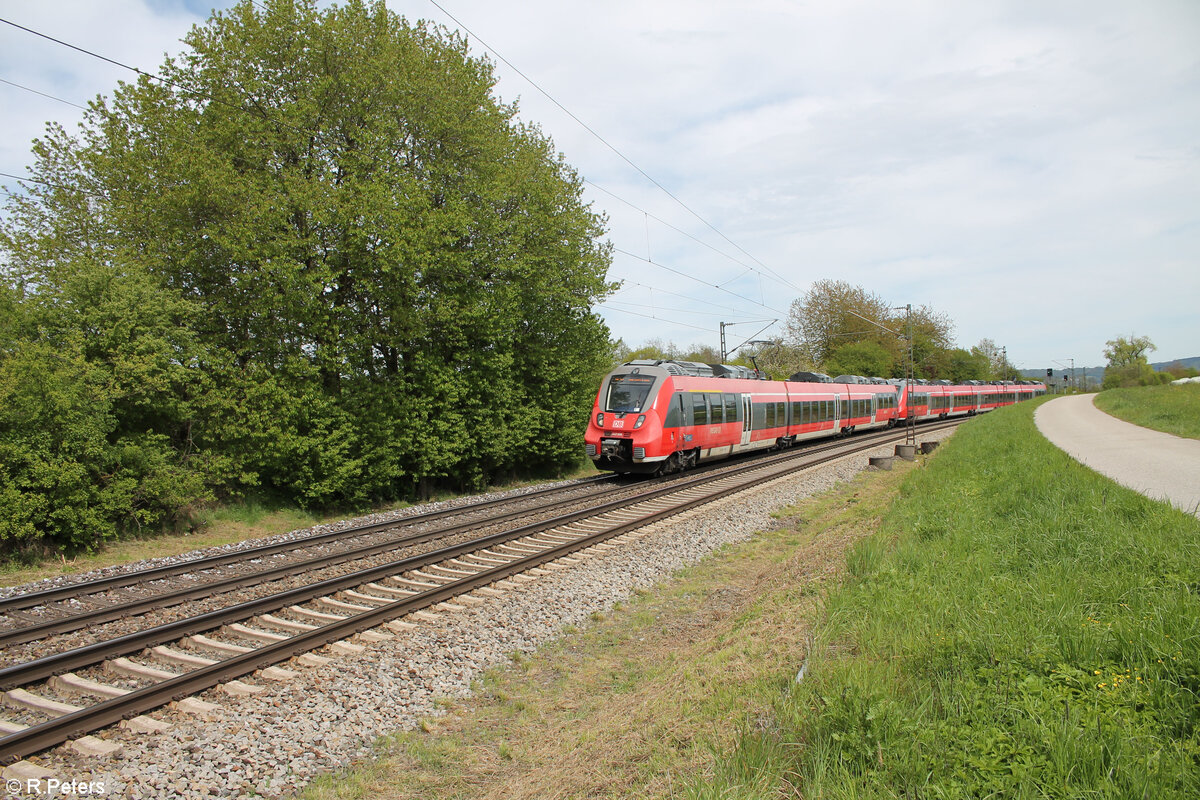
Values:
[(665, 416)]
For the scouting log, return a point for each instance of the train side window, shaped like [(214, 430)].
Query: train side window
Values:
[(699, 409), (760, 416), (769, 412), (716, 406), (674, 412), (731, 408)]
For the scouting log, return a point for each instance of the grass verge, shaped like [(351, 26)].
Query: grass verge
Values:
[(1018, 627), (1005, 623), (1171, 409), (644, 698), (220, 526)]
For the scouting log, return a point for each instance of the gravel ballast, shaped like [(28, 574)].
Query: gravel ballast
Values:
[(275, 742)]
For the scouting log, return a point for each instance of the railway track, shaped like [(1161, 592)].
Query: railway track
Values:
[(67, 608), (218, 648)]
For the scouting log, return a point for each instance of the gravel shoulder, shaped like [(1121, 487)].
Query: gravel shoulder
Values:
[(275, 743)]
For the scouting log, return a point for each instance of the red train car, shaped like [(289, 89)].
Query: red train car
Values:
[(940, 399), (665, 416)]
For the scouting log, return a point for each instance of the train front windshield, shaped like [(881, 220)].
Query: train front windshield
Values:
[(627, 394)]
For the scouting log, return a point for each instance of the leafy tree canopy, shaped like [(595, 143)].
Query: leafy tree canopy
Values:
[(1127, 362), (319, 259)]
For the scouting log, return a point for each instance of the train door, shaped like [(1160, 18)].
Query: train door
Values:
[(747, 418)]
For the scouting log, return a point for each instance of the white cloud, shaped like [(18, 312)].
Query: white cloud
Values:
[(1031, 169)]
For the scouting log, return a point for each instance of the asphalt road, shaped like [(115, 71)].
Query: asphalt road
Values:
[(1158, 465)]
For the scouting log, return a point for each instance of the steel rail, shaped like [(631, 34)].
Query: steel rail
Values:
[(108, 613), (60, 729), (72, 590), (86, 655), (48, 734), (65, 624)]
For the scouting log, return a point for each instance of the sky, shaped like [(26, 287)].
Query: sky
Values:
[(1030, 169)]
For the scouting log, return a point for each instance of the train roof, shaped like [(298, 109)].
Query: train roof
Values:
[(697, 369)]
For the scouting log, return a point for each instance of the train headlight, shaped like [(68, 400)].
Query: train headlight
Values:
[(600, 420), (641, 418)]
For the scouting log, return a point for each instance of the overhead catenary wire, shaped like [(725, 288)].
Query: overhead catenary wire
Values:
[(697, 280), (43, 94), (260, 113), (661, 319), (255, 111), (725, 307), (681, 232), (718, 314), (609, 145)]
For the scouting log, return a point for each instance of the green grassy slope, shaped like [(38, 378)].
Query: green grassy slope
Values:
[(1172, 409), (1018, 627)]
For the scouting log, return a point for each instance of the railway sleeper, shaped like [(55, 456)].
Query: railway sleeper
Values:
[(25, 699), (417, 585), (123, 666), (454, 574), (180, 658), (254, 634), (390, 590), (224, 648), (341, 605), (239, 689), (279, 623), (374, 600), (495, 561), (71, 683), (319, 616), (439, 580)]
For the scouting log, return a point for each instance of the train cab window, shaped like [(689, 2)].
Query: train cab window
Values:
[(628, 393), (699, 409), (731, 408), (716, 405)]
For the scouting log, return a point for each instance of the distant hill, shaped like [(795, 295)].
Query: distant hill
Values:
[(1096, 374), (1194, 361), (1083, 375)]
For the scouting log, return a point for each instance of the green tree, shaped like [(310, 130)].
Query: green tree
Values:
[(370, 277), (1127, 362), (835, 314), (968, 365), (860, 358), (832, 314)]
